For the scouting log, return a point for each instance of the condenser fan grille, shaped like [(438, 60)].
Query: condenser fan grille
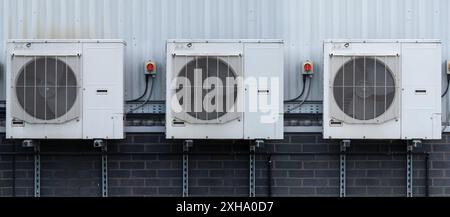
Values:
[(364, 88), (46, 88), (211, 96)]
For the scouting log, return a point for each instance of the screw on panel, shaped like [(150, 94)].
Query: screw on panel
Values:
[(345, 144), (187, 145)]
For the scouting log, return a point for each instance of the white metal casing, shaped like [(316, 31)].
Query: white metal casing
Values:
[(99, 70), (416, 109), (250, 59)]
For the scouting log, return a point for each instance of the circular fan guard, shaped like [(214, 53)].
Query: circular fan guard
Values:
[(46, 88), (210, 67), (364, 88)]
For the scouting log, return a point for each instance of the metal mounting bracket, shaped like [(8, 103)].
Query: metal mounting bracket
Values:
[(252, 166), (37, 168), (259, 144), (409, 166), (28, 143), (345, 144), (187, 145), (99, 143), (104, 158)]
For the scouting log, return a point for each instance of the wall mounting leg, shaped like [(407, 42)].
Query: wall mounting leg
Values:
[(345, 144), (187, 145), (37, 170), (409, 166), (105, 171), (104, 158), (252, 166)]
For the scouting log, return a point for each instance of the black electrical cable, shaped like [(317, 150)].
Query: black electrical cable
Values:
[(145, 91), (448, 86), (300, 104), (147, 100), (301, 93)]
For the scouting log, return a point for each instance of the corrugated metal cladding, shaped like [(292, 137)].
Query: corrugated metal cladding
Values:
[(146, 24)]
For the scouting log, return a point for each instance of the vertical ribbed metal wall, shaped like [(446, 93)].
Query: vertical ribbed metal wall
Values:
[(146, 24)]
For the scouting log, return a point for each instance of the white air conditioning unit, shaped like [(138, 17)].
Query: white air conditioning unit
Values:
[(65, 89), (382, 89), (225, 89)]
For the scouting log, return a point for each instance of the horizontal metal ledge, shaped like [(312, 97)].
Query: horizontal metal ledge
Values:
[(446, 130), (206, 54), (162, 129), (225, 40), (364, 41), (312, 129), (46, 55), (45, 41), (160, 108), (150, 108), (306, 108), (363, 55), (145, 129)]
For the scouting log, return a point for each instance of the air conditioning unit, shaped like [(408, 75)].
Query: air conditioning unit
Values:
[(382, 89), (225, 89), (65, 89)]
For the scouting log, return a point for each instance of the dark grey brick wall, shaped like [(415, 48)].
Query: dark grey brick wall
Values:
[(159, 172)]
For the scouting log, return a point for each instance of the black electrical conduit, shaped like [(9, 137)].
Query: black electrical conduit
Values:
[(268, 154)]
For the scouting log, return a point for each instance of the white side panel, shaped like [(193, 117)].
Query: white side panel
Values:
[(421, 85), (263, 118), (103, 100), (327, 132)]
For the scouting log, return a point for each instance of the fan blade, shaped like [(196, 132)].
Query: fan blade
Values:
[(51, 108), (348, 103), (359, 108), (40, 107)]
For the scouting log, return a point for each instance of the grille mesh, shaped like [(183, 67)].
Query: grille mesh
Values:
[(209, 67), (364, 88), (46, 88)]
